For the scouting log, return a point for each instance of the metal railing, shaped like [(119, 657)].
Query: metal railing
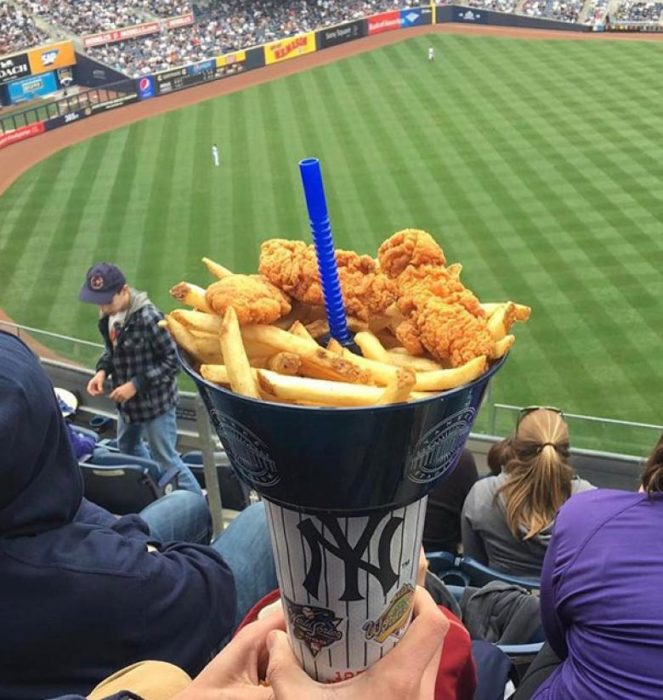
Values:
[(91, 99)]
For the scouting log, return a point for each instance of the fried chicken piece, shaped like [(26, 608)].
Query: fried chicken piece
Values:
[(450, 332), (441, 282), (410, 247), (292, 266), (254, 299)]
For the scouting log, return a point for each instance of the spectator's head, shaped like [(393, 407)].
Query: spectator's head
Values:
[(106, 286), (40, 483), (538, 476), (652, 476), (499, 454)]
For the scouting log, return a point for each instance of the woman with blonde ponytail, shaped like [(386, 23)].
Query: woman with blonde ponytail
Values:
[(601, 597), (507, 519)]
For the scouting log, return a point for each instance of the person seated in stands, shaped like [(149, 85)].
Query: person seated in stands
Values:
[(498, 455), (507, 519), (83, 593), (445, 502), (601, 597)]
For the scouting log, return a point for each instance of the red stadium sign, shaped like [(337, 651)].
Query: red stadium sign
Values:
[(22, 133), (121, 34), (181, 21), (386, 22)]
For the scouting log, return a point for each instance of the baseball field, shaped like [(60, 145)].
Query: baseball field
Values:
[(537, 164)]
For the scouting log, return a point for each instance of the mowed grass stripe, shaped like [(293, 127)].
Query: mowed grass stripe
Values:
[(616, 263), (286, 195), (347, 93), (635, 292), (104, 246), (365, 218), (403, 167), (151, 261), (193, 201), (324, 145), (28, 225), (61, 249), (563, 362)]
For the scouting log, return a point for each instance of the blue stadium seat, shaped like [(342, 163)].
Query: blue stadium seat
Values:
[(124, 488)]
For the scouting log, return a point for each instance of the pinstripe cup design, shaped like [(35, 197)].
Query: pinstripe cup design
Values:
[(347, 584)]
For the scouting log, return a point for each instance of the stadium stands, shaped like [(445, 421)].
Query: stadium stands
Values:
[(223, 27), (638, 12), (18, 30), (86, 16)]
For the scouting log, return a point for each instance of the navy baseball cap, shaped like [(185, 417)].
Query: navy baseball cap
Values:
[(102, 282)]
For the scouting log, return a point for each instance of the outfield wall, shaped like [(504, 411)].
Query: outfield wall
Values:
[(17, 128)]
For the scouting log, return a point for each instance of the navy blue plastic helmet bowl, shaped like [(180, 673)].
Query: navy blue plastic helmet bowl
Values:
[(343, 460)]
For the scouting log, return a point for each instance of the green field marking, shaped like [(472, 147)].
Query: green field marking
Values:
[(537, 164)]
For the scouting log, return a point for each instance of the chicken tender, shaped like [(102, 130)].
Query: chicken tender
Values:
[(254, 299), (292, 266)]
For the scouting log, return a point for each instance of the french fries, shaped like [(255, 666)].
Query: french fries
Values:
[(317, 391), (190, 295), (286, 362), (217, 270), (445, 379), (314, 358), (240, 375)]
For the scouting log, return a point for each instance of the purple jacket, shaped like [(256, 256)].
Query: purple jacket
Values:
[(602, 598)]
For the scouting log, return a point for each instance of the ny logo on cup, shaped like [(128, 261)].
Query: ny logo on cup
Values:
[(351, 557)]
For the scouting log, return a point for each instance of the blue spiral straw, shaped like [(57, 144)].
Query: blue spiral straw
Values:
[(316, 204)]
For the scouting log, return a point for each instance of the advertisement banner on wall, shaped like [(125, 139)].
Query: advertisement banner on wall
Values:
[(22, 133), (121, 34), (385, 22), (289, 48), (14, 67), (65, 119), (181, 21), (416, 17), (33, 86), (468, 14), (47, 58), (119, 101), (206, 68), (145, 86), (333, 36)]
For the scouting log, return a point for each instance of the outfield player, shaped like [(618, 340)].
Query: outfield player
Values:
[(431, 53), (215, 156)]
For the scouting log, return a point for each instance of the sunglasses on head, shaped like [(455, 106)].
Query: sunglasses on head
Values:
[(530, 409)]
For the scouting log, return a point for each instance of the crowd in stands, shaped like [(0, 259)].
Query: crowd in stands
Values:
[(227, 26), (638, 12), (18, 30), (86, 16)]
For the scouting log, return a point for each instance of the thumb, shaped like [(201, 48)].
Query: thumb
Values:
[(284, 674)]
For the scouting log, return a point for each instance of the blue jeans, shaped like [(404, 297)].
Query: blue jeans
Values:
[(244, 545), (181, 516), (161, 434)]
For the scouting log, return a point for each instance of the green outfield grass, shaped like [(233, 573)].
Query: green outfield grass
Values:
[(538, 165)]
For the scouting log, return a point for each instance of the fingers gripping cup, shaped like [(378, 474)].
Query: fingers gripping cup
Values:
[(345, 490)]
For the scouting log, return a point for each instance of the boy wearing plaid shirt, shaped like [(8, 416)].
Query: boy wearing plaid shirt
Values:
[(141, 363)]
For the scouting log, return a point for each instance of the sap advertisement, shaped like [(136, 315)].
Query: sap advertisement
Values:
[(31, 87)]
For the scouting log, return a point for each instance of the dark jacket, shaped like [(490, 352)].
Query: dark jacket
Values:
[(145, 355), (445, 503), (80, 595)]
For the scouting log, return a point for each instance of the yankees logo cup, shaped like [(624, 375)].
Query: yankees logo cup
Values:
[(345, 491), (347, 584)]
